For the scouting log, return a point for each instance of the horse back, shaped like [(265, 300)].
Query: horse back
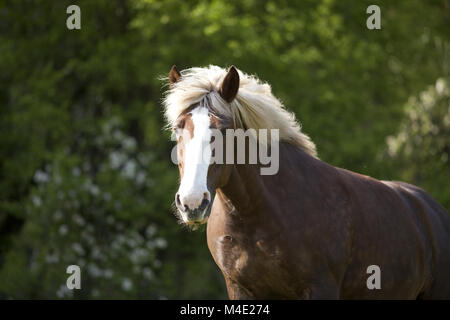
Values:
[(403, 230), (434, 222)]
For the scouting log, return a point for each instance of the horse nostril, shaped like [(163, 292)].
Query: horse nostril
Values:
[(177, 200), (189, 205), (204, 204)]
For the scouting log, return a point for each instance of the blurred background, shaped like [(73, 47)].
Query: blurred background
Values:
[(85, 170)]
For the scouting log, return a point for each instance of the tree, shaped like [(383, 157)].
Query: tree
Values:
[(421, 147)]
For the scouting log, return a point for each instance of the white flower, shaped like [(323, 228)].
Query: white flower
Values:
[(108, 273), (94, 271), (37, 201), (127, 284), (41, 176), (78, 248), (160, 243), (63, 230)]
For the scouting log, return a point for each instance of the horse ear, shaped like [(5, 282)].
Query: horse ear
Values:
[(174, 75), (230, 85)]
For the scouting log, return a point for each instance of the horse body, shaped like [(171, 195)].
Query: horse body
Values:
[(309, 230), (312, 230)]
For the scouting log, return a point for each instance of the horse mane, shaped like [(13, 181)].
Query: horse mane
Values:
[(254, 107)]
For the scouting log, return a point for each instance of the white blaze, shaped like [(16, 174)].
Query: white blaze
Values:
[(197, 155)]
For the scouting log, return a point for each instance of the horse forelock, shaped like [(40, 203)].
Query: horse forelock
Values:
[(254, 106)]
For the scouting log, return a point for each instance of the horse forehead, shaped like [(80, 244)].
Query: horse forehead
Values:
[(199, 121), (200, 117)]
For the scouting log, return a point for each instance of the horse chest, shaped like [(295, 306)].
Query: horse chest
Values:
[(256, 265), (252, 257), (231, 256)]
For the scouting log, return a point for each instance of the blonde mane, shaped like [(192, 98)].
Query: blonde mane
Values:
[(254, 106)]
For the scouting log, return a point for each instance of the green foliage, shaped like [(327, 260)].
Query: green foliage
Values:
[(90, 207), (421, 147), (85, 171)]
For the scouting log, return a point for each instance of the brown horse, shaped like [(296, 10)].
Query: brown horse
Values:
[(311, 230)]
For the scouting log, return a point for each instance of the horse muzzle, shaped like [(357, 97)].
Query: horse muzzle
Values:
[(191, 214)]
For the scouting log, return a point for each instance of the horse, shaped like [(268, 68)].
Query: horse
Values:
[(310, 231)]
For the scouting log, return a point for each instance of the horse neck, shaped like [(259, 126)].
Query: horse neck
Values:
[(255, 196), (243, 188)]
